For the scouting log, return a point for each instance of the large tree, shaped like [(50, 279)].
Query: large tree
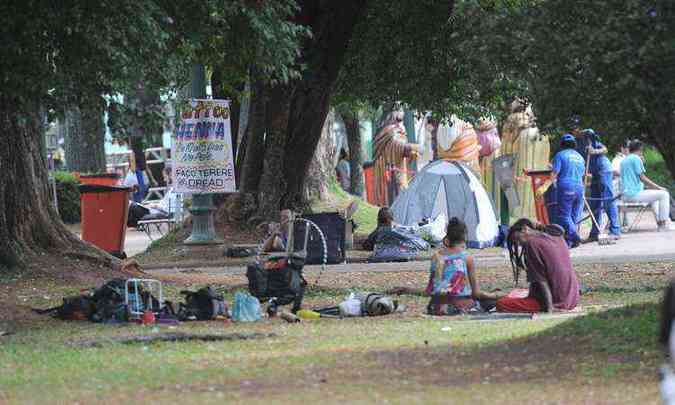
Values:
[(55, 53), (610, 61), (359, 51), (85, 137)]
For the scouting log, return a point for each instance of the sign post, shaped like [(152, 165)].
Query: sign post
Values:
[(203, 163)]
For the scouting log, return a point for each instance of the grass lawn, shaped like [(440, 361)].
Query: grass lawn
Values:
[(606, 355)]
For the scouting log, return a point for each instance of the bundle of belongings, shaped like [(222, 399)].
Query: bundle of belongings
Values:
[(108, 304), (202, 305), (278, 280), (364, 304), (397, 244)]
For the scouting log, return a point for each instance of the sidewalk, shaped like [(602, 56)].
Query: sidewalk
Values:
[(640, 246)]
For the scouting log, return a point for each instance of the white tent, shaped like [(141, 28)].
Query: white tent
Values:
[(449, 188)]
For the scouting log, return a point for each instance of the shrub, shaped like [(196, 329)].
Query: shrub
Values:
[(657, 169), (68, 196)]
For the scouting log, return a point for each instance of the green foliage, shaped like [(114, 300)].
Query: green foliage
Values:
[(68, 196), (61, 54), (610, 61), (657, 169), (431, 56)]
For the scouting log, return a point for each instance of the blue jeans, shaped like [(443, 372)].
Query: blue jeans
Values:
[(570, 202), (602, 198)]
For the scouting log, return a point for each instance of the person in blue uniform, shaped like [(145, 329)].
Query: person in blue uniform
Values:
[(568, 173), (602, 194)]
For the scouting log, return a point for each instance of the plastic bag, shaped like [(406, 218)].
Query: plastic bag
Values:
[(434, 232), (246, 308), (351, 306)]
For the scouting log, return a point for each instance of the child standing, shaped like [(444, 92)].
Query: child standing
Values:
[(453, 282)]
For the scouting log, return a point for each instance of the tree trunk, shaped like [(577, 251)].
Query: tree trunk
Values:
[(662, 137), (29, 225), (271, 184), (353, 128), (252, 160), (219, 93), (301, 110), (85, 138), (332, 24), (322, 166)]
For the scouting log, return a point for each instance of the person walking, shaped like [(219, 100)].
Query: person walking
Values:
[(602, 194), (568, 173)]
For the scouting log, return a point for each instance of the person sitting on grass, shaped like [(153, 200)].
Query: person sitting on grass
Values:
[(541, 251), (278, 236), (385, 222), (453, 282)]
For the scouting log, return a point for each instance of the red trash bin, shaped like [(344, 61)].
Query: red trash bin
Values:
[(369, 181), (541, 181), (103, 179), (104, 212)]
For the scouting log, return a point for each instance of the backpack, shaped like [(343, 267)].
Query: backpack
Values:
[(375, 304), (77, 308), (278, 278), (202, 305)]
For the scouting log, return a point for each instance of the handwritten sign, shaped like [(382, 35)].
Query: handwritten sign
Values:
[(202, 149)]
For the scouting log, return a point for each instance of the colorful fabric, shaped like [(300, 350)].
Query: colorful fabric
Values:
[(449, 275), (631, 169), (461, 144), (390, 152), (521, 138), (489, 141), (527, 304), (448, 305)]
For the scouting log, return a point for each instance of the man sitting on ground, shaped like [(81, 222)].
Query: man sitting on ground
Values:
[(633, 180), (278, 238)]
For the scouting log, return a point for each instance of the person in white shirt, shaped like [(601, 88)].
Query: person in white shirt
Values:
[(616, 164)]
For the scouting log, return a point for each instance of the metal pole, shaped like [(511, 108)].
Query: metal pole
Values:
[(203, 229)]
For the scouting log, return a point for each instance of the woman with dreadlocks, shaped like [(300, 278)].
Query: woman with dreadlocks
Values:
[(542, 252)]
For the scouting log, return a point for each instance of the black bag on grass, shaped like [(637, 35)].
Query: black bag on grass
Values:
[(280, 279), (202, 305)]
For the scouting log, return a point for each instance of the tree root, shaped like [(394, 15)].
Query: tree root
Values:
[(101, 259)]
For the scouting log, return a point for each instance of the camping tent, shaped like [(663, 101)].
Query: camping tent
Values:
[(449, 188)]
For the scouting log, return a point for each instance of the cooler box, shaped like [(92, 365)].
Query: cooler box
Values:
[(104, 212)]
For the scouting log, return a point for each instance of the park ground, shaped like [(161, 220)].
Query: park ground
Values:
[(605, 353)]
